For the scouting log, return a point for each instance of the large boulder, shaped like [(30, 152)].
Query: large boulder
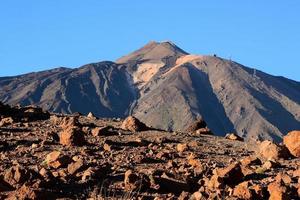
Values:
[(272, 151), (133, 124), (292, 142)]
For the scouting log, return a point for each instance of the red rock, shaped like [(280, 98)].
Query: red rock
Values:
[(243, 191), (215, 182), (75, 166), (67, 122), (181, 147), (292, 142), (56, 160), (197, 196), (133, 124), (278, 191), (133, 181), (184, 196), (195, 163), (102, 131), (72, 136), (6, 121), (250, 160), (16, 175), (232, 174), (296, 173), (28, 191), (270, 150), (283, 177), (269, 164)]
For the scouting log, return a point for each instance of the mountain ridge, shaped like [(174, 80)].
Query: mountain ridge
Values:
[(167, 88)]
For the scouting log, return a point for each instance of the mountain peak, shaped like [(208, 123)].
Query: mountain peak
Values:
[(154, 51)]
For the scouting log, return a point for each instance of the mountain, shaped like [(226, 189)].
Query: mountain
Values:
[(101, 87), (167, 88)]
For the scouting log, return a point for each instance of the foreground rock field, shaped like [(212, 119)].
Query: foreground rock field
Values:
[(50, 156)]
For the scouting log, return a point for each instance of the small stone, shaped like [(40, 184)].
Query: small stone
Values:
[(75, 166), (133, 181), (233, 136), (91, 115), (181, 147), (102, 131), (107, 147), (197, 196), (250, 160), (56, 160), (270, 164), (184, 196)]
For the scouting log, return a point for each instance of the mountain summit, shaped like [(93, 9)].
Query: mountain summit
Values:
[(154, 51), (167, 88)]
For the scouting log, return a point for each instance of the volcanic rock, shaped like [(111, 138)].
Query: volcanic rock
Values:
[(102, 131), (133, 124), (270, 150), (16, 175), (231, 175), (56, 160), (243, 191), (75, 166), (250, 160), (278, 191), (292, 142), (72, 136), (6, 121), (233, 136), (133, 181)]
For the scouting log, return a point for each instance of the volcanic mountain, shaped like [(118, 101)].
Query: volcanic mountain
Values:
[(167, 88)]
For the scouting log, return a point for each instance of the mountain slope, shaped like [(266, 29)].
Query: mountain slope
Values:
[(94, 88), (229, 96), (167, 88)]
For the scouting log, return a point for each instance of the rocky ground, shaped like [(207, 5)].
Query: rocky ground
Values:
[(50, 156)]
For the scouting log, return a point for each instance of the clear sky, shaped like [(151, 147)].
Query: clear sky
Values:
[(42, 34)]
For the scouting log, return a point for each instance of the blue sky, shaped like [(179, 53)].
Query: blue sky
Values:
[(37, 35)]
